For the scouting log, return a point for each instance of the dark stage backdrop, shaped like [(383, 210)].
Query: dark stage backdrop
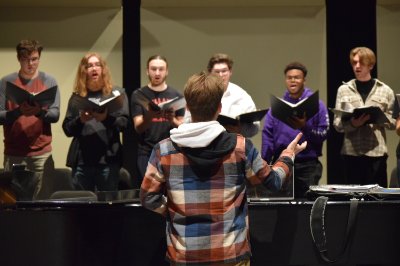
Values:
[(131, 75), (348, 24)]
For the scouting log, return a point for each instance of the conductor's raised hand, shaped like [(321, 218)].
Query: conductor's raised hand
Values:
[(295, 146)]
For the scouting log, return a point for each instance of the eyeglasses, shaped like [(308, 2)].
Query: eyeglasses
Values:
[(222, 71), (30, 59), (95, 65)]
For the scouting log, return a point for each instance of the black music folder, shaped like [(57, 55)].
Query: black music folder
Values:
[(283, 110), (111, 103), (249, 117), (376, 114), (19, 95), (176, 103)]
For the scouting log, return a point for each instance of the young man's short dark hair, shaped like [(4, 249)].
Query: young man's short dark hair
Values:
[(218, 59), (296, 65), (26, 47), (203, 93)]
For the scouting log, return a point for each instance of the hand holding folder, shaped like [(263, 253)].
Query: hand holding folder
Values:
[(175, 104), (111, 103), (304, 109), (377, 116)]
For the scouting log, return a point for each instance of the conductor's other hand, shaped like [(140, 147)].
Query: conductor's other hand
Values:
[(295, 146)]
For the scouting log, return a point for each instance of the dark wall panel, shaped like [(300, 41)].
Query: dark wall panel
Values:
[(131, 74), (349, 24)]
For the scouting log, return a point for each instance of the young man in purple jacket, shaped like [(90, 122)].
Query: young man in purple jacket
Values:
[(276, 135)]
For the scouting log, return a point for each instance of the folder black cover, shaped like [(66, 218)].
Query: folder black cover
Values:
[(283, 110), (18, 95), (249, 117), (111, 103), (376, 114), (176, 103)]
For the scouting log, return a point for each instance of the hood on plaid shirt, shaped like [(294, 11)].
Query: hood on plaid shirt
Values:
[(204, 143)]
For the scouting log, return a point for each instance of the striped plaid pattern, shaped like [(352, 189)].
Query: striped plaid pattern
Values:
[(369, 140), (207, 217)]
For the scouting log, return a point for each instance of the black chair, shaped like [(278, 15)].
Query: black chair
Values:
[(125, 180)]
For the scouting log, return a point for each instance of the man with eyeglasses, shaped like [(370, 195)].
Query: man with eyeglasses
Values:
[(276, 135), (235, 101), (27, 126)]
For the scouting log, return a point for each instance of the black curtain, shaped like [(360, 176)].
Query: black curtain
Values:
[(131, 75), (349, 24)]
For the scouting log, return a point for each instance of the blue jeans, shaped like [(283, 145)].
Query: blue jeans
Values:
[(99, 177)]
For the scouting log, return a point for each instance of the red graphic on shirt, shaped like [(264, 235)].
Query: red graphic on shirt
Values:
[(159, 119)]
